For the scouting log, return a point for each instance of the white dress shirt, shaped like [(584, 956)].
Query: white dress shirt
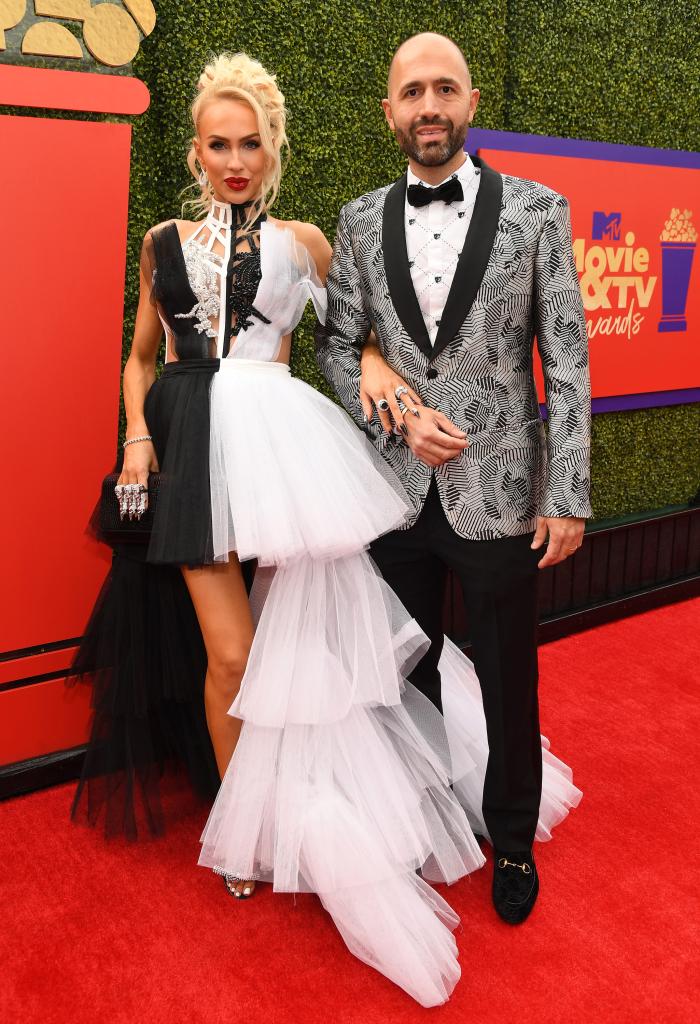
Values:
[(435, 236)]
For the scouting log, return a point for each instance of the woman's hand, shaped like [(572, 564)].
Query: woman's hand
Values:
[(431, 436), (139, 460), (379, 382)]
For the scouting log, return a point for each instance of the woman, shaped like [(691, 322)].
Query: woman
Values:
[(335, 771)]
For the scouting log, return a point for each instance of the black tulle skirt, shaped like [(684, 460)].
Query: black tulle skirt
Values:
[(177, 414), (142, 650), (144, 655)]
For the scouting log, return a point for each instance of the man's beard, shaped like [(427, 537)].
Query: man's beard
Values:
[(433, 154)]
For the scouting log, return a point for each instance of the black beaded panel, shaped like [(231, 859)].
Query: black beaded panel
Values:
[(243, 276)]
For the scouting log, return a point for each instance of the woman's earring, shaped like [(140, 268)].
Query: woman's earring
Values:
[(203, 178)]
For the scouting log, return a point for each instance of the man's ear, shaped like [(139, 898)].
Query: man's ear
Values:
[(473, 103), (386, 107)]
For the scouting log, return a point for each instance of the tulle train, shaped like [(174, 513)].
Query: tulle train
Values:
[(340, 783), (333, 788)]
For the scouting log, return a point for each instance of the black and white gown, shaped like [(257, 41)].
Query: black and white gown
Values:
[(340, 783)]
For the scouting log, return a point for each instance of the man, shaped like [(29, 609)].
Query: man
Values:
[(455, 268)]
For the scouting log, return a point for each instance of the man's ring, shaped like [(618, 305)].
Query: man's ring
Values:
[(383, 405), (402, 390)]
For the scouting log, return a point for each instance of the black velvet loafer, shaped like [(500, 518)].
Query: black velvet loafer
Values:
[(515, 885)]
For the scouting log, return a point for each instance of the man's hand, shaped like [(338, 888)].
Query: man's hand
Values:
[(432, 437), (565, 537)]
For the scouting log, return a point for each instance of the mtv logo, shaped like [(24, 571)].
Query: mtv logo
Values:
[(606, 225)]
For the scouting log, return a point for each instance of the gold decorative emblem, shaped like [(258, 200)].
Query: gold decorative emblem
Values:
[(111, 31), (11, 13)]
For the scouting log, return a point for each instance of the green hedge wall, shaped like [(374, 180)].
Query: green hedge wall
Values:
[(613, 71)]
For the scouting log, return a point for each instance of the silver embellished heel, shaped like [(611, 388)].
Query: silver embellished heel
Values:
[(231, 881)]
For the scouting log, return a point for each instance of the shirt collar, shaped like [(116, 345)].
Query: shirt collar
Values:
[(465, 173)]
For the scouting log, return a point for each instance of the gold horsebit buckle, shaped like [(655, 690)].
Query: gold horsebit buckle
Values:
[(505, 863)]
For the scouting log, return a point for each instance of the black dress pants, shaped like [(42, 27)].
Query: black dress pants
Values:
[(499, 580)]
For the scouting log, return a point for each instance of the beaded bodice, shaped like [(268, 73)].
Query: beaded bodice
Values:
[(227, 290), (222, 261)]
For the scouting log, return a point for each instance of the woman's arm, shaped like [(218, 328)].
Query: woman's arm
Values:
[(433, 438), (139, 374), (379, 382), (430, 435)]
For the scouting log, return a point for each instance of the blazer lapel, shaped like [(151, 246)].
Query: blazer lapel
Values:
[(398, 273), (474, 257)]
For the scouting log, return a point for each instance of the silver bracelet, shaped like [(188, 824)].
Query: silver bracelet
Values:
[(135, 440)]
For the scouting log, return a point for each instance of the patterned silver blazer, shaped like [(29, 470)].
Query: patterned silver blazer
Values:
[(515, 279)]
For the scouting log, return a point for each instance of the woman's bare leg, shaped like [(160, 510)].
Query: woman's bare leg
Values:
[(220, 600)]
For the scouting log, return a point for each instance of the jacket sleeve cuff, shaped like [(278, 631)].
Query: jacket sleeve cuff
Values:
[(568, 488)]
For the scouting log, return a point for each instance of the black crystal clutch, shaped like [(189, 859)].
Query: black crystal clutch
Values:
[(115, 530)]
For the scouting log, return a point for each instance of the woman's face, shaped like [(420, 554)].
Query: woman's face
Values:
[(228, 147)]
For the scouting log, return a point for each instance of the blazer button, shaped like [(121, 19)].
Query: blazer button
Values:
[(432, 373)]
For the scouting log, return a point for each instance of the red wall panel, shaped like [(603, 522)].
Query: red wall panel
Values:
[(32, 665), (65, 188), (63, 266), (42, 718)]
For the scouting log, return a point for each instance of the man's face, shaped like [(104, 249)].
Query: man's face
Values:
[(431, 103)]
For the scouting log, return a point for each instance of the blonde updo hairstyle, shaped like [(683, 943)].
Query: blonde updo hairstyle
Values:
[(239, 77)]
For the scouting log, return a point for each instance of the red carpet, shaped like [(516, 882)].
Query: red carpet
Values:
[(139, 934)]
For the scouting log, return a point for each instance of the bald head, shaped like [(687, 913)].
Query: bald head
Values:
[(430, 104), (422, 47)]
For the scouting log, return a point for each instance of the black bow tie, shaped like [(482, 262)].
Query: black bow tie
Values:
[(450, 191)]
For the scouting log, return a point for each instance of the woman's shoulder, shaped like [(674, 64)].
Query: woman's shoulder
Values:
[(185, 228), (310, 236)]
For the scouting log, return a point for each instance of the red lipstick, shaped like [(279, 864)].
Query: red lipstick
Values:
[(237, 184)]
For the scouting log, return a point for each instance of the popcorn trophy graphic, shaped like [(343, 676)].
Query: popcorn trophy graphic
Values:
[(678, 241), (110, 32)]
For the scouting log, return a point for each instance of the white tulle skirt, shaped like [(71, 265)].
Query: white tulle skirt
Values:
[(291, 475), (340, 782)]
